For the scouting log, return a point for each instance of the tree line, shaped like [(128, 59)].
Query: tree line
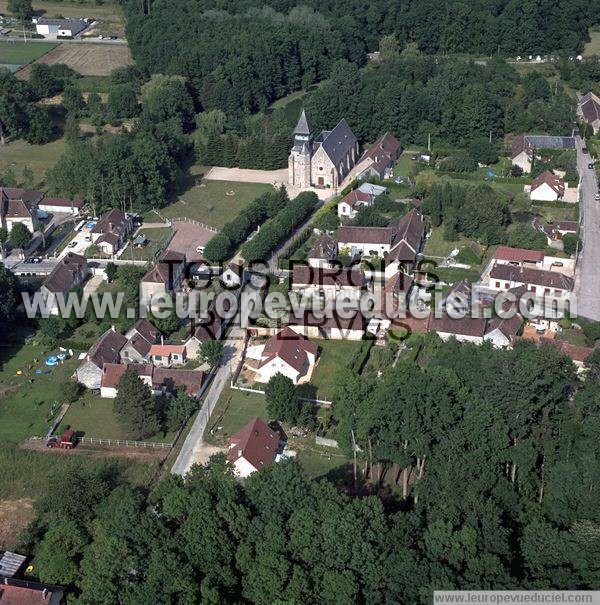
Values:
[(492, 456)]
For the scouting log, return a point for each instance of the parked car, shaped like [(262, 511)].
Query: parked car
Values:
[(72, 245), (591, 165), (597, 197), (585, 150)]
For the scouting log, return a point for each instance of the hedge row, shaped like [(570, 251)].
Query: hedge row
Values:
[(273, 232), (224, 244)]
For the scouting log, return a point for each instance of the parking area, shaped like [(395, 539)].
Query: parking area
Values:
[(80, 242), (190, 239)]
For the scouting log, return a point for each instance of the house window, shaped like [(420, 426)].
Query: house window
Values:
[(546, 291), (497, 284), (125, 353), (506, 285)]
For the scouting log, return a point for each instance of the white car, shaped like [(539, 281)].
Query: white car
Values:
[(72, 245), (200, 249)]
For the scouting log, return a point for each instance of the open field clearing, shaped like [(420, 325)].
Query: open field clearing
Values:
[(18, 155), (86, 59), (593, 46), (20, 53)]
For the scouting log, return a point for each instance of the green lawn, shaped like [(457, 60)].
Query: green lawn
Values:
[(452, 275), (157, 238), (232, 412), (18, 155), (93, 416), (436, 245), (20, 53), (557, 214), (99, 84), (593, 46), (208, 201), (334, 355), (321, 461), (29, 401)]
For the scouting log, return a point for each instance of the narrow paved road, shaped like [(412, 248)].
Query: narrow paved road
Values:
[(588, 271)]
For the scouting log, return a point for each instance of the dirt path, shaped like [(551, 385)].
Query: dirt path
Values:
[(243, 175)]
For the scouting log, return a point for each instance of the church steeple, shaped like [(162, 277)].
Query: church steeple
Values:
[(302, 128), (302, 132)]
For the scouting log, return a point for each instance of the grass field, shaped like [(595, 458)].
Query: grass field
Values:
[(93, 416), (593, 46), (209, 203), (436, 245), (334, 355), (157, 238), (20, 52), (18, 155), (99, 84), (29, 401), (233, 411)]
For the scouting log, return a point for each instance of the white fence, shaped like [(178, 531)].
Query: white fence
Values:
[(323, 402), (127, 442), (326, 442)]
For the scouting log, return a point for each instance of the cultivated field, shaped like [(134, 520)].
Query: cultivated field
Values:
[(86, 59)]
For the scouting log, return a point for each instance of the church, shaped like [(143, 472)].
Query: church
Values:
[(323, 161)]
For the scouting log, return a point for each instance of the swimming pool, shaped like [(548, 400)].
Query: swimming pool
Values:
[(90, 224)]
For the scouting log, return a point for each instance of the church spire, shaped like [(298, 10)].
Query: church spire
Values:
[(302, 128)]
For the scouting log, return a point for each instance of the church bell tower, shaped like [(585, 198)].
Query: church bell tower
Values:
[(299, 163)]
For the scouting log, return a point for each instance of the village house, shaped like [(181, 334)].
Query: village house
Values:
[(350, 204), (379, 160), (577, 354), (19, 206), (457, 300), (54, 205), (167, 355), (164, 277), (328, 284), (329, 325), (27, 592), (285, 353), (556, 230), (400, 242), (110, 233), (502, 333), (518, 257), (52, 28), (139, 340), (465, 329), (252, 448), (323, 251), (588, 109), (547, 187), (323, 161), (540, 282), (105, 350), (113, 372), (161, 381), (70, 272), (522, 153)]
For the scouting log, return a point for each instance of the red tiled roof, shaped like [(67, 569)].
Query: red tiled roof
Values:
[(466, 326), (518, 255), (256, 442), (537, 277), (107, 348), (172, 379), (550, 179), (167, 350), (113, 372), (355, 198), (521, 143), (590, 108), (64, 275), (576, 353), (290, 347), (365, 235), (61, 201)]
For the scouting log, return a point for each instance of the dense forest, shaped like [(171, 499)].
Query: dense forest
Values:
[(241, 55), (491, 456)]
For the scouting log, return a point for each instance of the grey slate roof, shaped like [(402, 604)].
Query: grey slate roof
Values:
[(302, 127), (339, 142), (550, 142)]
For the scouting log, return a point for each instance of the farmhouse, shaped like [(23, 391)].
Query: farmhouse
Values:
[(378, 160), (110, 232), (252, 448), (71, 272), (465, 329), (502, 333), (547, 187), (518, 257), (323, 161), (18, 206), (588, 109), (60, 205), (105, 350), (59, 27), (350, 204), (323, 251), (285, 353)]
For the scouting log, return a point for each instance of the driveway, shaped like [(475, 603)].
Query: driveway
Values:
[(587, 284)]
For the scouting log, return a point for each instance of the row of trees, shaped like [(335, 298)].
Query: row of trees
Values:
[(273, 232), (226, 242), (494, 453)]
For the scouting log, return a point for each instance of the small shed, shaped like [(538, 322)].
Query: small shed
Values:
[(68, 439)]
